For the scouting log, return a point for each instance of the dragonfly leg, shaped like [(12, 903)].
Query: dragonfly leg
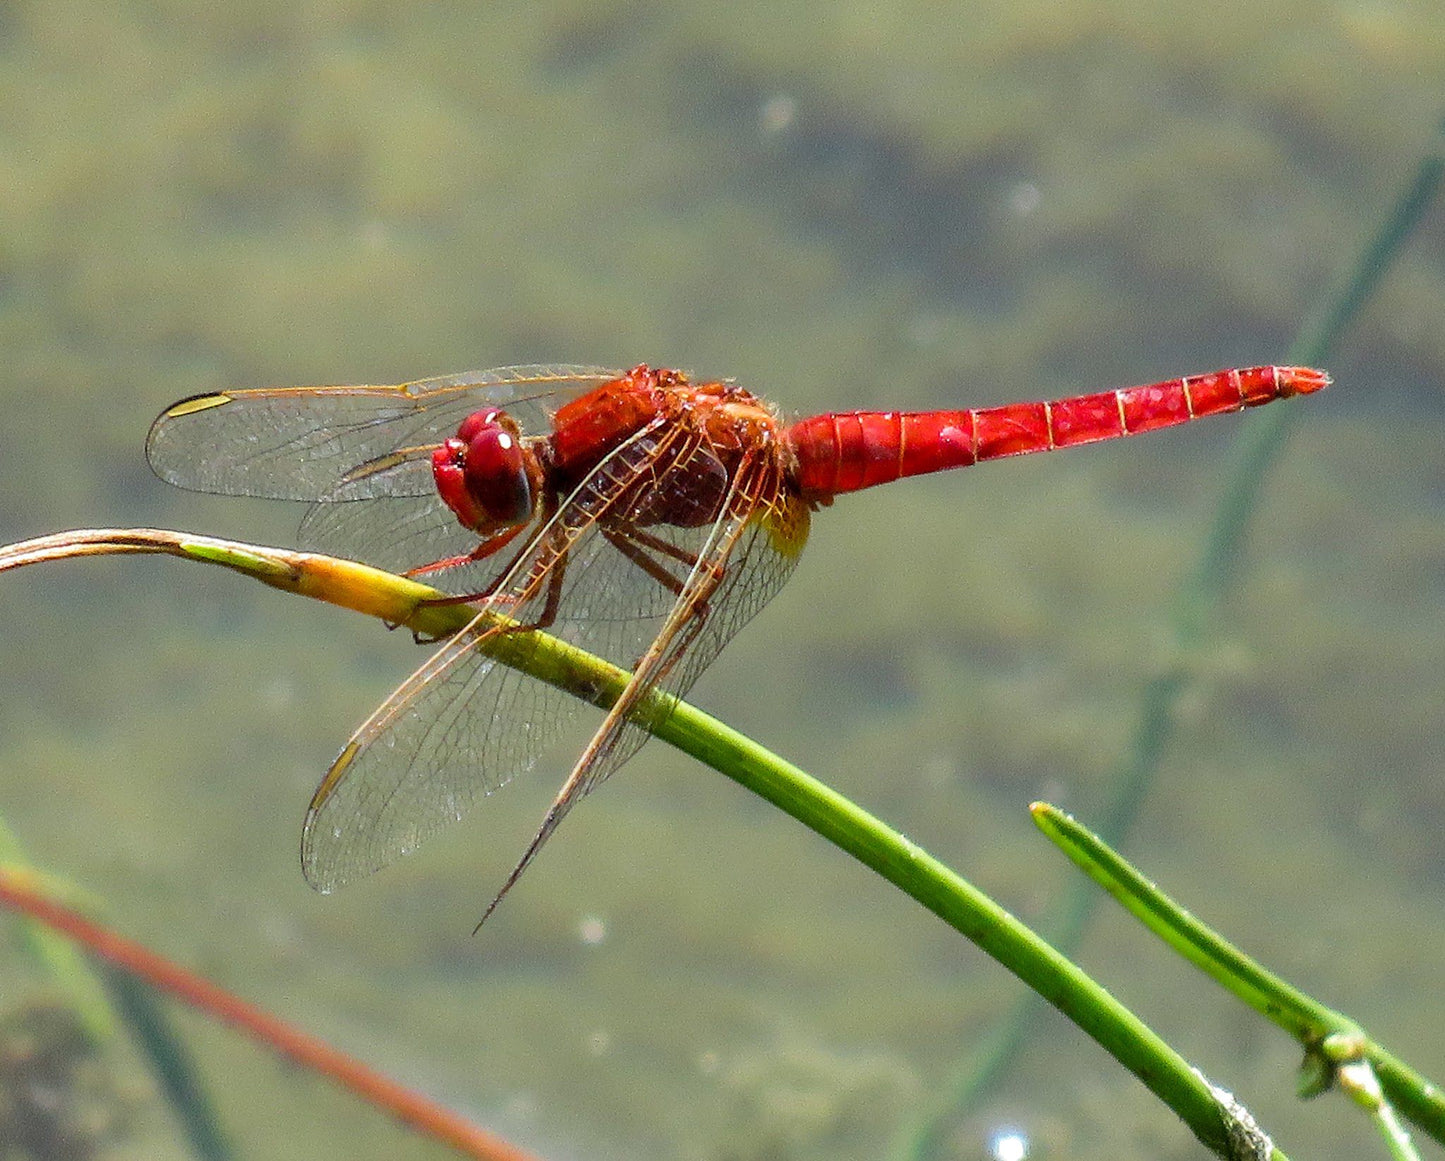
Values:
[(486, 548), (697, 618), (646, 539), (555, 574), (634, 543), (481, 552), (629, 541), (554, 592)]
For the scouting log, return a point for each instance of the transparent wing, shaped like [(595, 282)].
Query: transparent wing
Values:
[(461, 726), (341, 443), (398, 533), (749, 554)]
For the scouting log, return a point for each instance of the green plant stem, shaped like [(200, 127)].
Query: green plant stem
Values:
[(1397, 1139), (87, 996), (963, 907), (66, 968), (1359, 1080), (1264, 432), (1420, 1100), (1313, 1024), (401, 601), (172, 1064), (90, 998), (133, 965)]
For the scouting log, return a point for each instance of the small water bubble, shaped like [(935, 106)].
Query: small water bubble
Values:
[(278, 695), (335, 832), (592, 930), (777, 114), (1024, 199), (599, 1042), (1008, 1143)]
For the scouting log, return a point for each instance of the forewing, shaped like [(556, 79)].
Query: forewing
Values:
[(307, 443), (403, 526), (462, 725), (399, 534)]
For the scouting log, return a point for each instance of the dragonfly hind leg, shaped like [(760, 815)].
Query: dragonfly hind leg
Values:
[(634, 543)]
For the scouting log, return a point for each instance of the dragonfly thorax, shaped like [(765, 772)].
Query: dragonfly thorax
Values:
[(487, 474)]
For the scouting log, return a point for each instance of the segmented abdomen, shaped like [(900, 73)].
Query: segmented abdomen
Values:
[(844, 452)]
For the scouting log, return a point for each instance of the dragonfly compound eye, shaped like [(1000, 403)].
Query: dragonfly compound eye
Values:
[(482, 473), (495, 468)]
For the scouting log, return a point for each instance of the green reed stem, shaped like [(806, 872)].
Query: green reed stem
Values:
[(854, 830), (1325, 1034), (172, 1064), (61, 962), (86, 994), (1198, 596)]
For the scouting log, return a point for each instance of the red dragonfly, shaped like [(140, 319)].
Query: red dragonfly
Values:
[(639, 515)]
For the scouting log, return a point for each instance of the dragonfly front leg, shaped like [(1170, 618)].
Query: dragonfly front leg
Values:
[(555, 571), (486, 548), (554, 593)]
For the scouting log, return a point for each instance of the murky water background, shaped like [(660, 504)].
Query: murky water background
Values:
[(880, 204)]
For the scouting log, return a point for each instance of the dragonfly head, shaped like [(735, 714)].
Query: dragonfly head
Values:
[(487, 474)]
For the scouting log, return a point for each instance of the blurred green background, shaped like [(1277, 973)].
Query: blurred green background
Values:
[(891, 204)]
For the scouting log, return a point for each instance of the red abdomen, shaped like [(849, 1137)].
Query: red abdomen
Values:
[(845, 452)]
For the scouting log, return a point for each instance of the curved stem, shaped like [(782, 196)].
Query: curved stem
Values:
[(401, 601), (1320, 1029), (412, 1107)]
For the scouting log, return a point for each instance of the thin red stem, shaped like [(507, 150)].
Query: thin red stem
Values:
[(416, 1110)]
